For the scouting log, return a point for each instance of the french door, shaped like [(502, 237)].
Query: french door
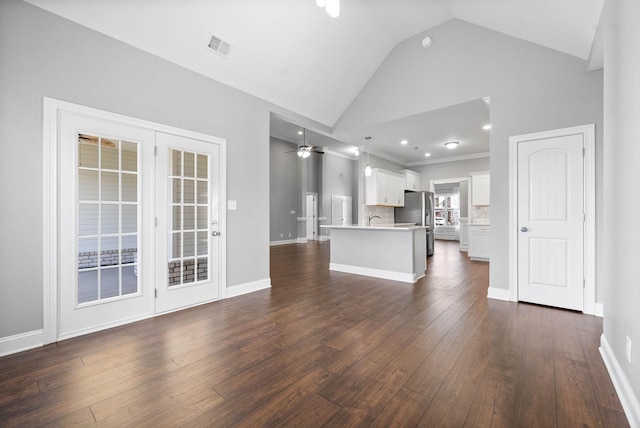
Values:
[(140, 220), (106, 199), (187, 208)]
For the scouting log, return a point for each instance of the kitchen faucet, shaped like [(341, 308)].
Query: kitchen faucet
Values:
[(371, 217)]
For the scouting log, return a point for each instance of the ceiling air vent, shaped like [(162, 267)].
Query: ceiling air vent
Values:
[(219, 46)]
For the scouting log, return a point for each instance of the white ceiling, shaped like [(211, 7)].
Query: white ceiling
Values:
[(289, 52)]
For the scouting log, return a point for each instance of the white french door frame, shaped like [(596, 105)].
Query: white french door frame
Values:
[(52, 109), (588, 133)]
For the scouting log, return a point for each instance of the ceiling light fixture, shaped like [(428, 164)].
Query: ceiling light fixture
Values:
[(426, 42), (356, 151), (332, 7), (404, 142), (304, 151), (451, 145), (487, 127), (427, 155), (367, 169)]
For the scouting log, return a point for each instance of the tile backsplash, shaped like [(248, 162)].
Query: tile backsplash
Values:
[(386, 215), (480, 214)]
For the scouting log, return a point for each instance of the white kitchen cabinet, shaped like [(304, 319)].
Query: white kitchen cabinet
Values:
[(412, 180), (480, 187), (479, 248), (384, 187)]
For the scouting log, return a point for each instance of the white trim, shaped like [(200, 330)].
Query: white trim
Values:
[(51, 111), (599, 310), (323, 238), (588, 132), (249, 287), (498, 294), (301, 240), (450, 159), (105, 326), (283, 242), (621, 383), (21, 342), (377, 273), (50, 220), (302, 219)]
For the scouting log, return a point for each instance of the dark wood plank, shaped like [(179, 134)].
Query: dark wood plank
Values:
[(577, 405), (324, 348)]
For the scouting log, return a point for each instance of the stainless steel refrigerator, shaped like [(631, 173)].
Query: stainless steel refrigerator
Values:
[(418, 209)]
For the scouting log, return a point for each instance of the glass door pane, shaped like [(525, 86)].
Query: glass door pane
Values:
[(108, 211), (187, 221)]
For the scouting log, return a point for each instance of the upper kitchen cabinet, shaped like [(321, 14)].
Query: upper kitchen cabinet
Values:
[(384, 187), (412, 180), (480, 188)]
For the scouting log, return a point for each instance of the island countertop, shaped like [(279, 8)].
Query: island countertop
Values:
[(391, 226), (389, 251)]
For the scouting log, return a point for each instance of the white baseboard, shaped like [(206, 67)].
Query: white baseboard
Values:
[(301, 240), (627, 397), (599, 310), (249, 287), (21, 342), (376, 273), (323, 238), (498, 294), (283, 242)]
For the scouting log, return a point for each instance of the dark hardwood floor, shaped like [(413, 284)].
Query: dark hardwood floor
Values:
[(328, 349)]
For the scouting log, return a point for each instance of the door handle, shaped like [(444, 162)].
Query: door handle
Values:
[(523, 229), (215, 233)]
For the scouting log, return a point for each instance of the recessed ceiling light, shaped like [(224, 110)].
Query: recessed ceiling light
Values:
[(426, 42), (299, 132), (427, 154), (487, 127), (356, 151), (404, 142), (451, 145)]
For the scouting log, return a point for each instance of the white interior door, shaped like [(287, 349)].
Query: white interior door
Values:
[(105, 213), (189, 222), (312, 217), (550, 221)]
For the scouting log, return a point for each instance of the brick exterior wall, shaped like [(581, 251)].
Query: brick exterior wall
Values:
[(188, 272), (89, 259)]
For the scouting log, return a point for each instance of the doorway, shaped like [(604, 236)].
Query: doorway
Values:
[(312, 216), (133, 207), (552, 222)]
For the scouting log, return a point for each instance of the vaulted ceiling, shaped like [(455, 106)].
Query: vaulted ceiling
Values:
[(291, 53)]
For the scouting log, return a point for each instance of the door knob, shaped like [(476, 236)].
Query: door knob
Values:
[(215, 233), (523, 229)]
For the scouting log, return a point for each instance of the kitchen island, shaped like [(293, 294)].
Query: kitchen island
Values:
[(397, 251)]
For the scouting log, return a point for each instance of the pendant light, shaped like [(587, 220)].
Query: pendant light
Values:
[(367, 169)]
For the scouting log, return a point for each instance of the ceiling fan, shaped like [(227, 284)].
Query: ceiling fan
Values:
[(304, 150)]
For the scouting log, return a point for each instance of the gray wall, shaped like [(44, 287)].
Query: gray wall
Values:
[(621, 252), (45, 55), (532, 88), (283, 190)]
